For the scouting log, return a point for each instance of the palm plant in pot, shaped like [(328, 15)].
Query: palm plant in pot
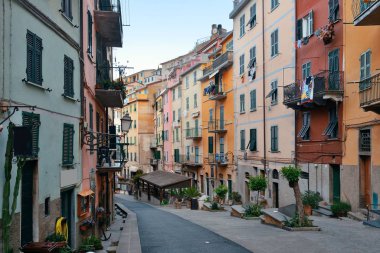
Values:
[(189, 194), (310, 200)]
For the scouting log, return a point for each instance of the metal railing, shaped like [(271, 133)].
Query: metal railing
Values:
[(359, 6), (292, 93), (369, 90), (216, 126), (227, 56), (191, 159), (110, 5), (365, 140), (328, 81), (218, 158), (207, 70), (193, 133)]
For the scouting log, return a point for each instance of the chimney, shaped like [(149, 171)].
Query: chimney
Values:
[(213, 27), (219, 29), (236, 2)]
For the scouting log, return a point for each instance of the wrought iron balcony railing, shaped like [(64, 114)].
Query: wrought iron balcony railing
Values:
[(223, 61), (369, 93), (193, 133), (191, 160), (217, 126), (219, 158), (366, 12)]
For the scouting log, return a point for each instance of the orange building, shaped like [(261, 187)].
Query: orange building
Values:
[(361, 117), (218, 117)]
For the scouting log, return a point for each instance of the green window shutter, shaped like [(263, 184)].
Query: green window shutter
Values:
[(253, 138), (253, 100), (210, 145), (30, 57), (68, 144), (68, 77), (299, 29), (38, 59), (242, 140), (32, 120), (89, 32)]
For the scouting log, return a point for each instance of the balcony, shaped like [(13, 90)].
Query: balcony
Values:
[(366, 12), (110, 94), (194, 133), (327, 86), (153, 144), (191, 160), (153, 162), (223, 61), (207, 71), (220, 159), (108, 22), (369, 93), (215, 91), (217, 126)]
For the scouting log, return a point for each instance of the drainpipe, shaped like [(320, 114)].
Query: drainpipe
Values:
[(264, 104)]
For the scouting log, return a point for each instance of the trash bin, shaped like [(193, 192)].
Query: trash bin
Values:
[(194, 204)]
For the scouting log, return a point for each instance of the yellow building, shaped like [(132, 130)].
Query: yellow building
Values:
[(361, 151), (218, 116)]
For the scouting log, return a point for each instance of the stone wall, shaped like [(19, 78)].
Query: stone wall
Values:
[(47, 223)]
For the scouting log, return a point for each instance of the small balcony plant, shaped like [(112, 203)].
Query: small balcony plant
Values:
[(326, 33)]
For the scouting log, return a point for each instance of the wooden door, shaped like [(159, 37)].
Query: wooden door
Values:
[(27, 203)]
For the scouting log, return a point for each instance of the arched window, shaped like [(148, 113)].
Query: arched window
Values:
[(247, 175), (275, 174)]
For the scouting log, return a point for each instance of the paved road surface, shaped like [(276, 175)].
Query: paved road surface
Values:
[(163, 232)]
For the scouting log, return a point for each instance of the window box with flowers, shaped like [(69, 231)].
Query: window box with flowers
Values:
[(326, 33)]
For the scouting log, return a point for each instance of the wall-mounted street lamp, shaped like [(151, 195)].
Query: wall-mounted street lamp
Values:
[(126, 123)]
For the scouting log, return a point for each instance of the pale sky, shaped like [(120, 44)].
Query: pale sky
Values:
[(161, 30)]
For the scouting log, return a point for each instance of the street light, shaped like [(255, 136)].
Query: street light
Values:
[(126, 123)]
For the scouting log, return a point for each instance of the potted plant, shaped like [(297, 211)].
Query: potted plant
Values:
[(59, 239), (235, 198), (86, 226), (258, 184), (310, 201), (252, 210), (221, 192), (340, 209), (191, 194), (326, 33)]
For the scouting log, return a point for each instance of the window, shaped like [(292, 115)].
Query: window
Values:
[(274, 138), (230, 46), (252, 139), (187, 103), (305, 130), (68, 144), (334, 10), (306, 70), (134, 107), (66, 8), (173, 93), (91, 120), (179, 92), (195, 77), (242, 103), (179, 114), (68, 85), (305, 26), (334, 75), (135, 157), (365, 140), (134, 140), (242, 140), (274, 4), (47, 206), (365, 69), (187, 82), (241, 61), (89, 33), (32, 120), (274, 43), (195, 101), (187, 129), (34, 58), (134, 124), (252, 96), (176, 155), (173, 116), (221, 145), (187, 153), (252, 20), (177, 135), (273, 93), (242, 26), (332, 128), (211, 114), (252, 56), (210, 145)]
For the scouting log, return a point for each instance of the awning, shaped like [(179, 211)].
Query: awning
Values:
[(86, 193), (163, 179)]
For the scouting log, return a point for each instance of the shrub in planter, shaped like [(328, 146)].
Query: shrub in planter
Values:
[(93, 241), (252, 210), (340, 209), (221, 192), (55, 238), (310, 201), (235, 197), (296, 222), (214, 206)]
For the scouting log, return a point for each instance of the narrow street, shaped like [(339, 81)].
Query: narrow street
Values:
[(164, 232)]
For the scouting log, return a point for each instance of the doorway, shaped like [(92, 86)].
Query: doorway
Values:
[(27, 189), (247, 195), (67, 211), (365, 181), (275, 195), (336, 182)]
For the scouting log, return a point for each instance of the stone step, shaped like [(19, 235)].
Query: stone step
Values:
[(237, 211), (358, 216), (322, 212)]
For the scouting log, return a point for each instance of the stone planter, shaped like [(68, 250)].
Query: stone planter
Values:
[(177, 205), (250, 218), (302, 229)]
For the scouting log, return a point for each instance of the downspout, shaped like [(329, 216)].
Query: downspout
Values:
[(295, 111), (264, 104)]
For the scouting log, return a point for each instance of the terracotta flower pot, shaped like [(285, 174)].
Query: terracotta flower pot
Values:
[(307, 210)]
